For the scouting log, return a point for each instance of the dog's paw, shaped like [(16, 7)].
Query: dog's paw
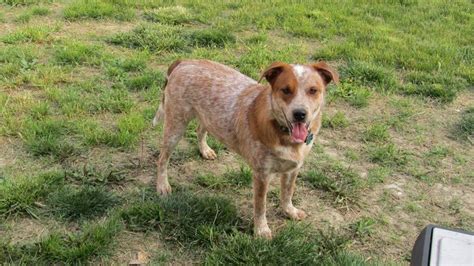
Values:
[(208, 154), (295, 214), (163, 189), (263, 232)]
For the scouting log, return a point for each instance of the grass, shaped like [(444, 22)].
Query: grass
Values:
[(49, 138), (211, 38), (376, 133), (155, 38), (29, 34), (36, 11), (20, 196), (294, 244), (172, 15), (95, 239), (340, 182), (80, 82), (232, 177), (76, 53), (387, 154), (465, 128), (185, 218), (97, 9), (85, 202), (337, 121)]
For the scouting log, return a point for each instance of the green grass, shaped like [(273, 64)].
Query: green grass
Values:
[(156, 38), (144, 81), (36, 11), (363, 227), (97, 9), (74, 248), (49, 138), (85, 202), (173, 15), (342, 183), (233, 177), (29, 34), (294, 244), (211, 38), (465, 127), (337, 121), (76, 53), (376, 133), (356, 95), (184, 217), (20, 195), (97, 175), (387, 155)]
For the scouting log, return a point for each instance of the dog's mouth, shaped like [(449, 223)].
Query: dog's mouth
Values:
[(299, 132)]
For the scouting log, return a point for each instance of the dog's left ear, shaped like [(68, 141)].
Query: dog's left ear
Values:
[(272, 72), (326, 72)]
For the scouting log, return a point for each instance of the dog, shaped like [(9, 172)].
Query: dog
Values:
[(271, 126)]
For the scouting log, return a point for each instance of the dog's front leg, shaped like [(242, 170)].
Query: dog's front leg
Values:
[(288, 184), (260, 188)]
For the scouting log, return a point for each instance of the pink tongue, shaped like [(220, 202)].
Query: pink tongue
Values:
[(299, 132)]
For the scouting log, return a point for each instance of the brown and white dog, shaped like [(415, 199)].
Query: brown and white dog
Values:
[(271, 127)]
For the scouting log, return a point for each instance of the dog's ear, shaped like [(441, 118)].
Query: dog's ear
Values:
[(272, 72), (326, 72)]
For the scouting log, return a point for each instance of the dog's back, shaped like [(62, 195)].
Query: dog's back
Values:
[(210, 89)]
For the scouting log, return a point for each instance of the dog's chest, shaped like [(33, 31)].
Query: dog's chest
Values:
[(286, 159)]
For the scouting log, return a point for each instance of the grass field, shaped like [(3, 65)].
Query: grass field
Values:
[(80, 82)]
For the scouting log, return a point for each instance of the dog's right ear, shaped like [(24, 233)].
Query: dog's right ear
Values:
[(272, 72)]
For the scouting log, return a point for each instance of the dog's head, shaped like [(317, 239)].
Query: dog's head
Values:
[(298, 94)]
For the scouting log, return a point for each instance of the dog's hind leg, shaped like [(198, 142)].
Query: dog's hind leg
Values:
[(174, 128), (204, 149)]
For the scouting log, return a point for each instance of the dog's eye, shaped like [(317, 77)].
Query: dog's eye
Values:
[(312, 90), (286, 90)]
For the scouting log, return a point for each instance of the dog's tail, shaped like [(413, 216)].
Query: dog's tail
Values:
[(160, 113)]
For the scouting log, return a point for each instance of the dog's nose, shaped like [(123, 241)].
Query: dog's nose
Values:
[(299, 115)]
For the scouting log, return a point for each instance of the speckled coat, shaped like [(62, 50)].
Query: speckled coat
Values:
[(251, 119)]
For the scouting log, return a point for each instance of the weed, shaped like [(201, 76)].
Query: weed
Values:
[(97, 9), (371, 75), (355, 95), (376, 133), (93, 175), (232, 177), (340, 181), (29, 14), (294, 244), (76, 53), (465, 127), (377, 175), (84, 202), (387, 155), (19, 196), (363, 227), (337, 121), (145, 81), (142, 217), (211, 181), (74, 248), (156, 38), (186, 218), (35, 34), (173, 15), (211, 38), (48, 137)]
